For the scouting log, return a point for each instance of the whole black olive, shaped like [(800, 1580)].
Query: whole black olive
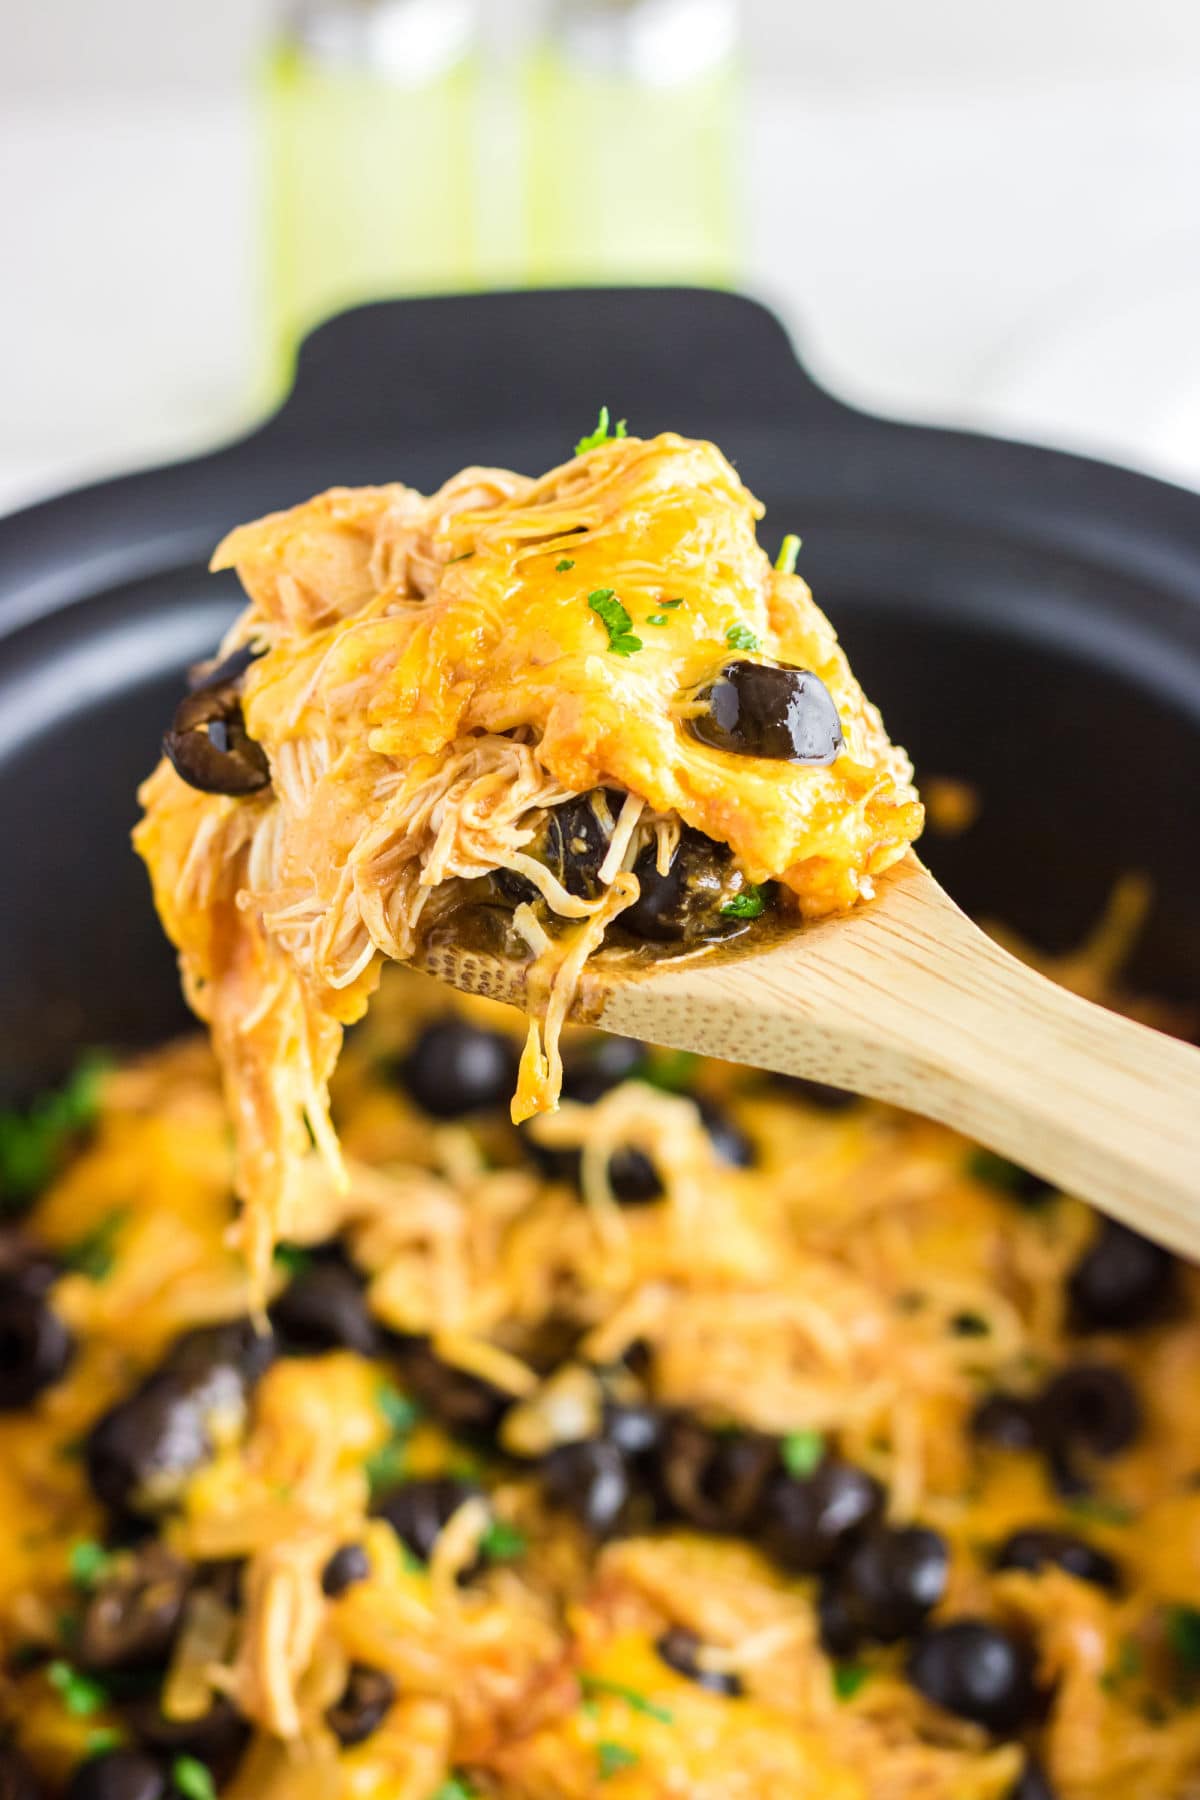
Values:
[(419, 1511), (1121, 1281), (635, 1428), (348, 1564), (1007, 1420), (1031, 1784), (365, 1703), (679, 1647), (455, 1068), (893, 1579), (35, 1346), (140, 1453), (810, 1521), (208, 745), (1091, 1406), (463, 1401), (685, 904), (605, 1061), (572, 844), (769, 709), (17, 1779), (977, 1671), (118, 1775), (714, 1480), (131, 1619), (217, 1738), (324, 1308), (593, 1480), (1036, 1546)]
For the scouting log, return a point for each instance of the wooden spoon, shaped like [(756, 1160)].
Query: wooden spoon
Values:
[(906, 1000)]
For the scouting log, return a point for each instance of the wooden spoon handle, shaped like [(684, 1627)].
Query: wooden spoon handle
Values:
[(908, 1001)]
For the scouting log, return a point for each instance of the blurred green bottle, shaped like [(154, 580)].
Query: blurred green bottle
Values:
[(370, 109), (633, 139)]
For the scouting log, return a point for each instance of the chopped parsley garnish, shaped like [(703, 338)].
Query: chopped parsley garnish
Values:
[(789, 550), (612, 1758), (848, 1678), (502, 1542), (32, 1143), (595, 1685), (749, 904), (615, 620), (81, 1695), (669, 1069), (657, 619), (401, 1413), (560, 568), (103, 1739), (292, 1259), (387, 1465), (740, 637), (602, 434), (802, 1451), (193, 1779), (87, 1562), (1183, 1634), (92, 1254), (455, 1789)]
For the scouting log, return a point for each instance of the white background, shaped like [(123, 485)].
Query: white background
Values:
[(979, 212)]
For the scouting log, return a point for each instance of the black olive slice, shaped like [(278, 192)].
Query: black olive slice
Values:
[(225, 673), (772, 710), (208, 747)]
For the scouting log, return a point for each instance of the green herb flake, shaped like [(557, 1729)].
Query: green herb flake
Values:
[(502, 1542), (292, 1259), (560, 568), (456, 1788), (87, 1562), (386, 1467), (1183, 1634), (595, 1686), (612, 1758), (602, 434), (789, 550), (79, 1693), (93, 1254), (749, 904), (848, 1678), (104, 1739), (616, 621), (802, 1451), (740, 637), (193, 1779), (401, 1413), (463, 556), (657, 619), (671, 1070), (33, 1143), (668, 604)]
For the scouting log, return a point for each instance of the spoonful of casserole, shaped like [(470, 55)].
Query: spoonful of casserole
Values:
[(576, 743)]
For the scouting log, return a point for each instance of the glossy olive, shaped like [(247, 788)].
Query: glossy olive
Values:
[(141, 1452), (455, 1068), (591, 1070), (365, 1703), (348, 1564), (635, 1428), (592, 1480), (893, 1579), (118, 1775), (679, 1649), (713, 1480), (771, 710), (324, 1308), (35, 1346), (419, 1511), (1090, 1408), (17, 1779), (572, 843), (810, 1521), (225, 673), (1009, 1421), (1036, 1547), (131, 1620), (217, 1738), (1121, 1281), (977, 1671), (684, 905), (208, 745)]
